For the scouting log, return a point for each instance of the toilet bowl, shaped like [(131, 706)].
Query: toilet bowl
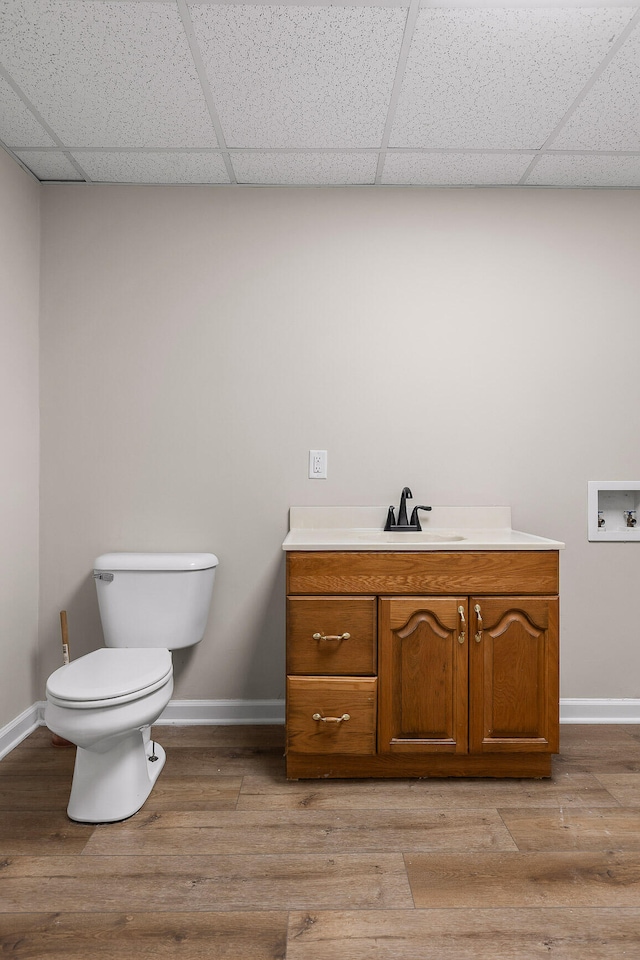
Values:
[(106, 701)]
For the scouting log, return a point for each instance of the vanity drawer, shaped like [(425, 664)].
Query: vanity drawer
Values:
[(434, 573), (331, 716), (312, 622)]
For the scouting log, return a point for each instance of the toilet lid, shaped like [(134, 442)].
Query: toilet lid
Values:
[(110, 672)]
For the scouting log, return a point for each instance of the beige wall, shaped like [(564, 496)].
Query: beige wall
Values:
[(19, 305), (478, 345)]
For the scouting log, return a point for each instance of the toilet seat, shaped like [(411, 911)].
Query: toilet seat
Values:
[(110, 676)]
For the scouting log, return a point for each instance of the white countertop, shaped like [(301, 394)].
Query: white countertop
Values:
[(444, 528)]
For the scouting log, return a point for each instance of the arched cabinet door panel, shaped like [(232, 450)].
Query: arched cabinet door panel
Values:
[(513, 674), (423, 670)]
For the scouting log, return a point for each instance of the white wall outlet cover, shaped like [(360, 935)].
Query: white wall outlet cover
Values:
[(317, 464)]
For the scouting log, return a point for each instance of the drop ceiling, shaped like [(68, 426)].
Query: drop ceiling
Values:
[(384, 92)]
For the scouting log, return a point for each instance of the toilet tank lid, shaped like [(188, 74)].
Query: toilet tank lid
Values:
[(155, 561)]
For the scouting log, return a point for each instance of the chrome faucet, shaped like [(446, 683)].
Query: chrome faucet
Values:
[(403, 524)]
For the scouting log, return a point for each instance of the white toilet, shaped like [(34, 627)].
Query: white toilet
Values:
[(106, 701)]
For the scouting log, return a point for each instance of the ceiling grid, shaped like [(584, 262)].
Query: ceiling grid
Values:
[(359, 92)]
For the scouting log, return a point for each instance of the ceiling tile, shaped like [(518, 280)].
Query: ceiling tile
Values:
[(106, 73), (498, 78), (106, 167), (609, 116), (295, 76), (48, 165), (18, 126), (454, 169), (305, 168), (586, 171)]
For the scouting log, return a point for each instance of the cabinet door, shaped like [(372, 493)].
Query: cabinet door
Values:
[(513, 674), (423, 675)]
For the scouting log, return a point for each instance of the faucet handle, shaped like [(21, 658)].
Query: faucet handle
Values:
[(415, 520), (391, 519)]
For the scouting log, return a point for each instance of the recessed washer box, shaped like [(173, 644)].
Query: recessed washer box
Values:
[(613, 505)]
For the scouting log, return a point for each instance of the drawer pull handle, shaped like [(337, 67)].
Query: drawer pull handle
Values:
[(318, 716), (462, 621), (480, 625), (323, 636)]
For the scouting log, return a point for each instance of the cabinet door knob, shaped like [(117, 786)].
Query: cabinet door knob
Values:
[(480, 625), (324, 636), (462, 621), (318, 716)]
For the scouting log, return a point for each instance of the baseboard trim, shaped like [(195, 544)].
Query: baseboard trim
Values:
[(222, 712), (228, 712), (14, 732), (601, 710), (193, 712)]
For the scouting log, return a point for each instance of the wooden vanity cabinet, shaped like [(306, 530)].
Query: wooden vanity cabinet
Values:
[(422, 664)]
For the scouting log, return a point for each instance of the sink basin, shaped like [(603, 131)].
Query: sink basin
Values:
[(422, 536)]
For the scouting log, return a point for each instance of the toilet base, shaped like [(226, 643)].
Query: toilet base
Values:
[(112, 785)]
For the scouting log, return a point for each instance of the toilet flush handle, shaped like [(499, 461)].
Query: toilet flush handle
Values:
[(100, 575)]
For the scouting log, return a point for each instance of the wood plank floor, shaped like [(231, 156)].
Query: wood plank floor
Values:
[(229, 861)]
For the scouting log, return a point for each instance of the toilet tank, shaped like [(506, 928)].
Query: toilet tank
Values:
[(154, 599)]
